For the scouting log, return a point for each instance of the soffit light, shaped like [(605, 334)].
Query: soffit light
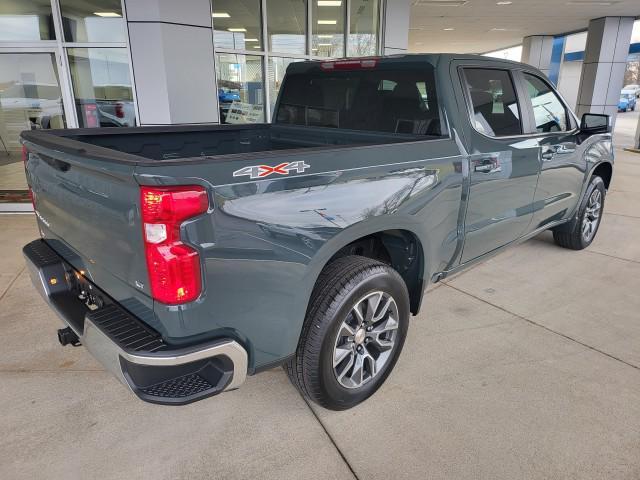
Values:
[(237, 29), (329, 3), (220, 15), (327, 22), (108, 14)]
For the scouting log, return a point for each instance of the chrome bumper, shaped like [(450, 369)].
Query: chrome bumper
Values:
[(131, 350)]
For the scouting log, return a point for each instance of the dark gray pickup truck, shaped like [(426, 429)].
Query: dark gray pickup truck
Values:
[(185, 258)]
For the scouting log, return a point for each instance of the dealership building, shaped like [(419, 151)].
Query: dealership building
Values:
[(113, 63)]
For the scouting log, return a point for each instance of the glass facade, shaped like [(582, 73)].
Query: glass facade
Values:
[(26, 20), (272, 34), (38, 40), (102, 87), (240, 88), (237, 24), (92, 22)]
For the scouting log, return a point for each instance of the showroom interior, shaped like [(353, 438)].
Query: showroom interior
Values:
[(525, 366)]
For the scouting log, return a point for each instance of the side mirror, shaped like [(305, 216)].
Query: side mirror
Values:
[(593, 123)]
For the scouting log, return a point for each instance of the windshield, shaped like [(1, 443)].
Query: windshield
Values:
[(380, 99)]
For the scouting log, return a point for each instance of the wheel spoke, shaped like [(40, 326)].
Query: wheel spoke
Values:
[(345, 368), (357, 375), (341, 353), (372, 306)]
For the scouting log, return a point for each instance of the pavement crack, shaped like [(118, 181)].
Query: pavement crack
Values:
[(539, 325), (331, 439), (612, 256), (12, 282)]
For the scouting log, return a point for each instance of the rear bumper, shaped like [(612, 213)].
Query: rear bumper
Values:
[(127, 347)]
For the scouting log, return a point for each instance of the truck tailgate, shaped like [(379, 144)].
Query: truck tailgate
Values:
[(87, 211)]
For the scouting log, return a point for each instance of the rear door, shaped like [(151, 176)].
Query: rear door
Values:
[(504, 163), (562, 169)]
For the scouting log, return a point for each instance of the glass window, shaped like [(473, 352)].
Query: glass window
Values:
[(240, 91), (287, 25), (328, 20), (26, 20), (363, 24), (378, 99), (236, 24), (495, 106), (95, 21), (549, 112), (102, 87), (29, 99), (277, 69)]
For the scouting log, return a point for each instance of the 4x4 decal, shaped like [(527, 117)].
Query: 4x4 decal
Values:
[(262, 171)]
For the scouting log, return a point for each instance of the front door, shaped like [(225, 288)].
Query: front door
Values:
[(504, 165), (562, 169)]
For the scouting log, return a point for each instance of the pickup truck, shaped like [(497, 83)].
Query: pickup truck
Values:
[(185, 258)]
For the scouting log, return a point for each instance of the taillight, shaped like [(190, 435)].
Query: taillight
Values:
[(25, 158), (173, 267)]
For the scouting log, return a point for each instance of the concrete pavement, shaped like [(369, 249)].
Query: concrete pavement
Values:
[(526, 366)]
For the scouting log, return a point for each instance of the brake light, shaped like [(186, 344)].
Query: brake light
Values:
[(354, 64), (25, 159), (173, 267)]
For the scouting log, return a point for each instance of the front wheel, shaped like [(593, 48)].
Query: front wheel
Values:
[(352, 336), (588, 220)]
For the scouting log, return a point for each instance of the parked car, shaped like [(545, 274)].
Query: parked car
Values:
[(185, 258), (627, 102), (635, 89)]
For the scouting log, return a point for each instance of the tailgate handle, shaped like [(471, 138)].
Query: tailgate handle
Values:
[(55, 163)]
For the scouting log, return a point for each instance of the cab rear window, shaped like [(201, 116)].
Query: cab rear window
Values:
[(377, 100)]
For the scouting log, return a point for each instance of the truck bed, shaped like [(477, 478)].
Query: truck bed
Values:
[(172, 144)]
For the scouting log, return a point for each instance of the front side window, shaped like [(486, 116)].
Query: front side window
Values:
[(380, 100), (549, 112), (495, 106)]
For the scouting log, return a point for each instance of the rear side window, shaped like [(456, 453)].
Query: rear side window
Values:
[(549, 112), (495, 106), (382, 99)]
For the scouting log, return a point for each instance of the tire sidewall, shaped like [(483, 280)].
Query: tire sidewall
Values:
[(390, 283), (596, 183)]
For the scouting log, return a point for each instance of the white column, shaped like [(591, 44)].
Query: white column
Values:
[(173, 61), (395, 27), (536, 51), (605, 60)]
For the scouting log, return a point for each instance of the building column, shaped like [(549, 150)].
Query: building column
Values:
[(536, 51), (605, 61), (395, 27), (172, 60)]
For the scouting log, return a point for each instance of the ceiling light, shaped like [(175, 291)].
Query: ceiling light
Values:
[(325, 44), (504, 3), (220, 15), (327, 22), (250, 39), (237, 29), (441, 3), (449, 29), (329, 3), (108, 14), (324, 36), (256, 46)]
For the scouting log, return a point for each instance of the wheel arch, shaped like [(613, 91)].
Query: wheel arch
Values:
[(397, 245), (603, 170)]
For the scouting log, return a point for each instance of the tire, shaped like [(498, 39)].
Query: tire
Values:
[(332, 329), (590, 211)]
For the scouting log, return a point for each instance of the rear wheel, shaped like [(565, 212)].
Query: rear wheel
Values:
[(353, 333), (588, 221)]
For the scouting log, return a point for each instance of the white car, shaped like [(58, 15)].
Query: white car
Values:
[(633, 88)]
